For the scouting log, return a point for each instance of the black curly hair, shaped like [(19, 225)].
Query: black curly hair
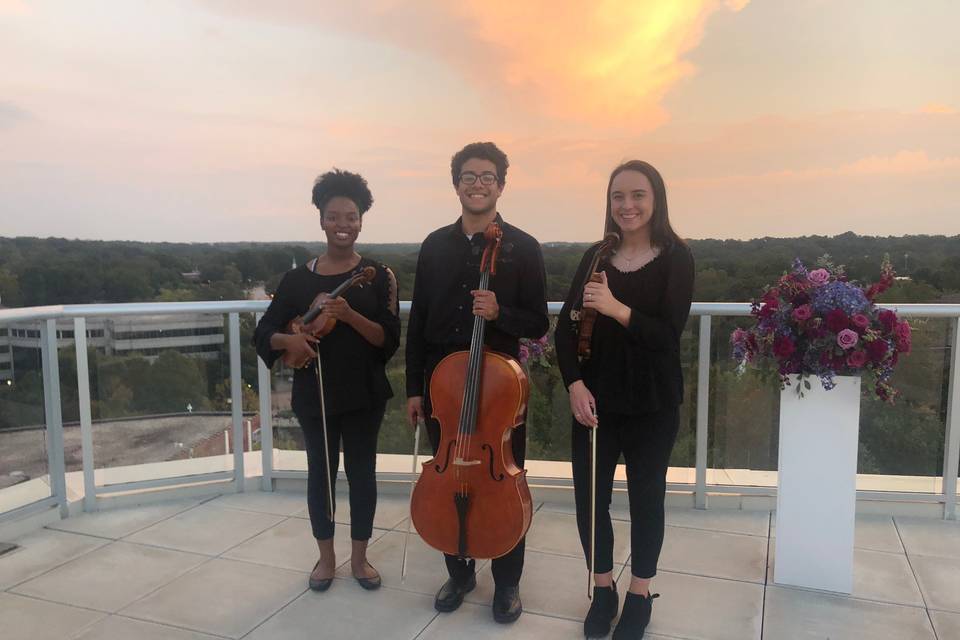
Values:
[(342, 183), (483, 151)]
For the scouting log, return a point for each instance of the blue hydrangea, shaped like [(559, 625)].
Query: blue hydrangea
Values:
[(839, 295)]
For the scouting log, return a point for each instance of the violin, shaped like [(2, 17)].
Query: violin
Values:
[(588, 317), (472, 500), (317, 323)]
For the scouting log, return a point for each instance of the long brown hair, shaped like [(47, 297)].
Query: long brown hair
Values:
[(662, 234)]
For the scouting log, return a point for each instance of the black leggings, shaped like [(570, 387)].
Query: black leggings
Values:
[(358, 430), (645, 442)]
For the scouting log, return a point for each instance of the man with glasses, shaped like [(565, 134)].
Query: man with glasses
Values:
[(445, 301)]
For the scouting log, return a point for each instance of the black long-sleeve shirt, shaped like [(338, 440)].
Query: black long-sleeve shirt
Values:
[(634, 369), (441, 312), (352, 368)]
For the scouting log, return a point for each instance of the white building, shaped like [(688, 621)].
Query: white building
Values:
[(195, 335)]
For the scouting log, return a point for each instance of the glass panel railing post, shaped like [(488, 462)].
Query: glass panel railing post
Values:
[(236, 401), (86, 422), (951, 454), (703, 406), (266, 421), (54, 415)]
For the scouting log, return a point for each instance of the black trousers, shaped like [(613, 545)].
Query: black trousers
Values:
[(358, 430), (506, 569), (645, 442)]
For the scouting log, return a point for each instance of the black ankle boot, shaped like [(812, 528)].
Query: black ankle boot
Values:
[(602, 611), (635, 616)]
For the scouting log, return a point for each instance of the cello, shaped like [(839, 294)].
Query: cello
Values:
[(472, 500)]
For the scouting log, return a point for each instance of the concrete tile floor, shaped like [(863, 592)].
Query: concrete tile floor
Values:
[(236, 567)]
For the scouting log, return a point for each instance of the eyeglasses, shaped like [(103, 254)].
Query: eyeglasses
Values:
[(486, 178)]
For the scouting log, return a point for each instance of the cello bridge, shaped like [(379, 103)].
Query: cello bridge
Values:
[(460, 462)]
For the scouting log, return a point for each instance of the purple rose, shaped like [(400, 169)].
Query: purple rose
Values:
[(847, 338), (818, 276), (860, 321), (802, 313), (857, 358)]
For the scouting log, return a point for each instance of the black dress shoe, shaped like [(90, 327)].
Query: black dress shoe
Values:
[(602, 611), (319, 584), (451, 594), (506, 604), (635, 616), (370, 584)]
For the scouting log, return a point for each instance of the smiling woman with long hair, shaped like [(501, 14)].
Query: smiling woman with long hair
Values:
[(353, 357), (630, 387)]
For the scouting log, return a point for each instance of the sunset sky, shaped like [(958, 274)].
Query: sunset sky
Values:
[(207, 120)]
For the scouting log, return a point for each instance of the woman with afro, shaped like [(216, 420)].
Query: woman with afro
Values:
[(353, 358)]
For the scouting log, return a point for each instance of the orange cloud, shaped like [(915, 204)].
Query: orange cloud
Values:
[(591, 62), (938, 107)]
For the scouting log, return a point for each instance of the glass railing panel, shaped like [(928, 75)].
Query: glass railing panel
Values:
[(744, 417), (24, 467), (159, 395), (901, 445)]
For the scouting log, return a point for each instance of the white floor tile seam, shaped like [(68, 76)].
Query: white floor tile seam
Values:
[(107, 541), (841, 596), (172, 626), (725, 532), (681, 572), (913, 571), (275, 613)]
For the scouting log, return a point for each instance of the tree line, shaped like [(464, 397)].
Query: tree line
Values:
[(42, 271)]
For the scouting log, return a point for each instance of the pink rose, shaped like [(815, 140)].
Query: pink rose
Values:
[(903, 337), (802, 313), (847, 338), (860, 321), (818, 276), (857, 358)]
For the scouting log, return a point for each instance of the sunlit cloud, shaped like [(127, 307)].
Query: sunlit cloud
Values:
[(612, 60), (13, 7), (938, 107)]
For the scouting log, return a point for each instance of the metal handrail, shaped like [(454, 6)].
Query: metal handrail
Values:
[(704, 310)]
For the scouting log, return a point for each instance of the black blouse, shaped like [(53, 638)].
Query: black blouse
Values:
[(633, 369), (352, 368)]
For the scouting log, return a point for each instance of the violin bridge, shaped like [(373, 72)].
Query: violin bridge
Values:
[(460, 462)]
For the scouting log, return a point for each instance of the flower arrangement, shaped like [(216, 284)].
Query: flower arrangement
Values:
[(535, 352), (819, 323)]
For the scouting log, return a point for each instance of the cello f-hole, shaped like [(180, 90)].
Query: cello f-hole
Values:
[(446, 461), (496, 476)]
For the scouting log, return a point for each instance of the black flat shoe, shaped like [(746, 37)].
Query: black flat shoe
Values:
[(635, 617), (370, 584), (451, 594), (319, 584), (506, 604), (602, 611)]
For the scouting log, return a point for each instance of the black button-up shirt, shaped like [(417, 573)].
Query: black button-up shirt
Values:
[(441, 312)]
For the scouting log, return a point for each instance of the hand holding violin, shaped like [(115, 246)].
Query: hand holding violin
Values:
[(597, 295), (298, 349)]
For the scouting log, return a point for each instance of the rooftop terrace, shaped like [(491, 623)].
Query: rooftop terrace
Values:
[(236, 566)]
